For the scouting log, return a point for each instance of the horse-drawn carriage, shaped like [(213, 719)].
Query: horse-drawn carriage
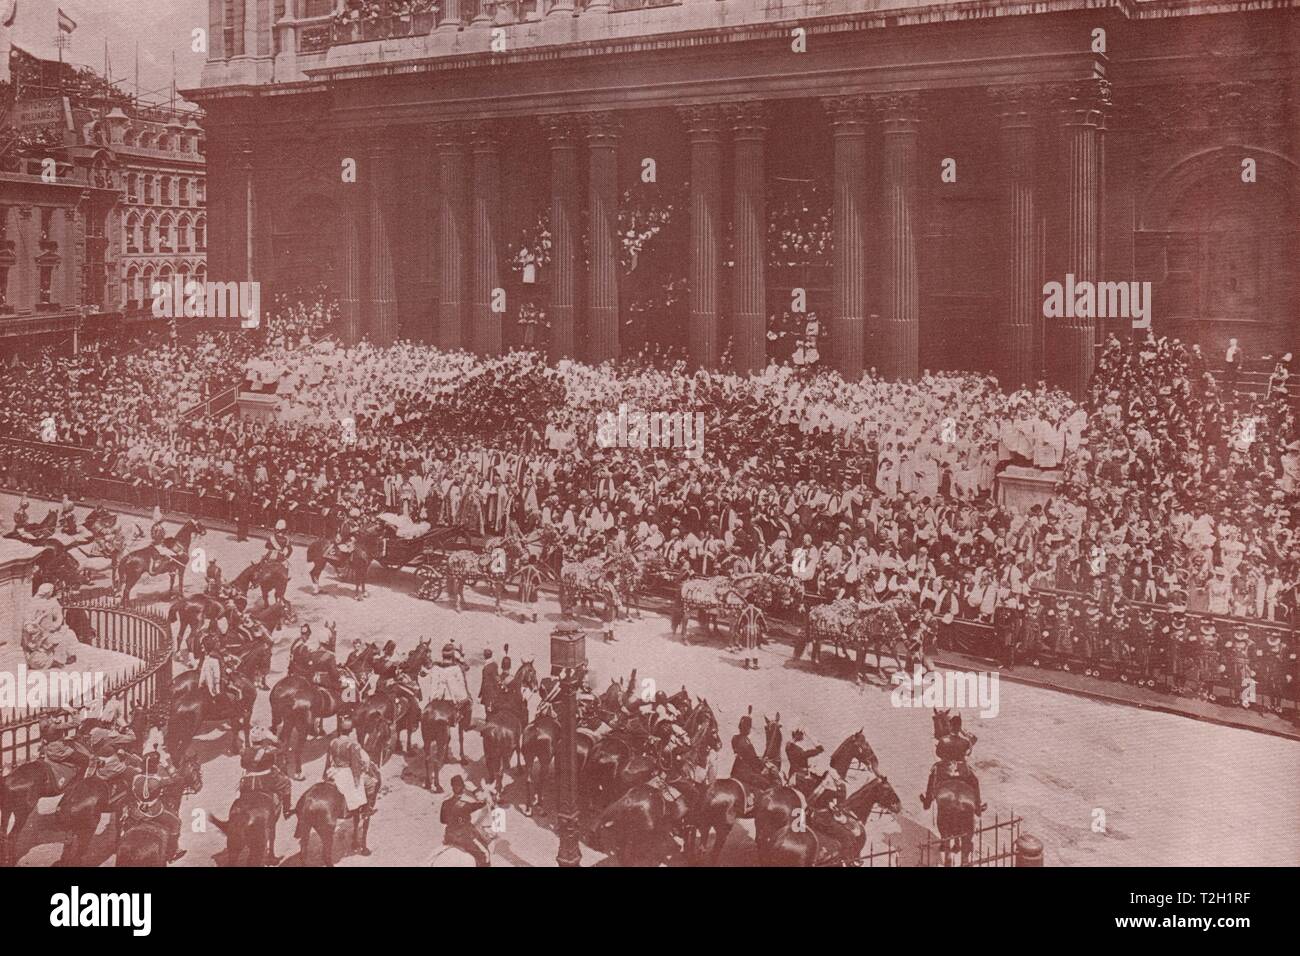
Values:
[(856, 628), (739, 600), (452, 562)]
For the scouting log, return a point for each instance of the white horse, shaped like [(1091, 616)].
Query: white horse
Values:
[(483, 820)]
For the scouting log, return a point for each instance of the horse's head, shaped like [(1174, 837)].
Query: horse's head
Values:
[(772, 735), (861, 750), (526, 678), (878, 793), (942, 723), (704, 726), (420, 658)]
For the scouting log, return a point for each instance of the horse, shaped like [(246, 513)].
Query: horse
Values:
[(191, 613), (435, 732), (322, 552), (144, 842), (190, 710), (270, 577), (823, 839), (320, 810), (648, 813), (723, 803), (396, 702), (251, 828), (299, 703), (776, 807), (152, 561), (503, 729)]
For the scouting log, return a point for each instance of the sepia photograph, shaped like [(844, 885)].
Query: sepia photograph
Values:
[(650, 433)]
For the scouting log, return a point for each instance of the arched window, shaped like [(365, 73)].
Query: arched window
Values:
[(132, 187), (131, 289), (201, 273), (201, 191), (146, 285), (167, 233), (184, 234), (133, 232), (150, 233), (200, 233)]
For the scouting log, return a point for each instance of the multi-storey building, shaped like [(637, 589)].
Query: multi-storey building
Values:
[(975, 152)]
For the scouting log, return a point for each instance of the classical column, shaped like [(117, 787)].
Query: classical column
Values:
[(452, 230), (353, 227), (900, 298), (602, 208), (382, 185), (848, 119), (704, 125), (1023, 302), (1081, 112), (485, 145), (561, 133), (451, 17), (250, 209), (749, 308)]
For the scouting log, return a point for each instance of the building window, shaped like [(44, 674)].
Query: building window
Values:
[(47, 284), (200, 191), (200, 235), (185, 191)]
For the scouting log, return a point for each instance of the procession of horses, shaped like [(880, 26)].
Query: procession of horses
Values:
[(649, 786)]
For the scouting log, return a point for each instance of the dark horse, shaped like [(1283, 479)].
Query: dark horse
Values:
[(724, 803), (955, 798), (56, 565), (313, 690), (192, 613), (321, 809), (150, 561), (778, 806), (397, 703), (253, 818), (190, 710), (322, 552), (503, 730), (435, 731), (144, 842), (270, 577), (22, 789), (824, 839)]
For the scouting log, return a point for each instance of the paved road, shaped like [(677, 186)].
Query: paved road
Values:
[(1100, 784)]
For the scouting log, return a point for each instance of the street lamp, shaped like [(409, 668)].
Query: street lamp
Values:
[(568, 662)]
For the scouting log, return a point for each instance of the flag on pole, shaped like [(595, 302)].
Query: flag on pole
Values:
[(66, 23)]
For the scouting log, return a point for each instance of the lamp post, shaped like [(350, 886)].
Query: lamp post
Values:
[(568, 662)]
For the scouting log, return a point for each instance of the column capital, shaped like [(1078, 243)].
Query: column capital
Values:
[(561, 129), (485, 135), (1080, 101), (1014, 104), (748, 119), (449, 135), (601, 127), (704, 122), (900, 113), (848, 113)]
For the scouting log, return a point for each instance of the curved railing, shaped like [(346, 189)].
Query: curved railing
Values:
[(140, 631)]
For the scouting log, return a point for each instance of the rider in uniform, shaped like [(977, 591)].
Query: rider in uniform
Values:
[(748, 767), (952, 750), (261, 771), (278, 546), (346, 539), (157, 530), (800, 753), (456, 815), (67, 516), (213, 580), (20, 516), (147, 807)]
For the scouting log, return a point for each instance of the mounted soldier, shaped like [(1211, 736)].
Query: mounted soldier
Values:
[(67, 517), (157, 530), (147, 804), (20, 515), (278, 546), (448, 679), (213, 579), (261, 771), (346, 539), (952, 749)]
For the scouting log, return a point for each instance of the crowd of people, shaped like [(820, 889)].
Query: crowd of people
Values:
[(1172, 491)]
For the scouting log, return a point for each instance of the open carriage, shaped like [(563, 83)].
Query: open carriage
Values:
[(737, 601)]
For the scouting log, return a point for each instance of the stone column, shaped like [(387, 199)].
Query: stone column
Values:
[(561, 133), (452, 231), (704, 126), (382, 185), (749, 310), (602, 207), (250, 209), (900, 297), (1081, 107), (1023, 301), (485, 140), (353, 227), (451, 17), (848, 119)]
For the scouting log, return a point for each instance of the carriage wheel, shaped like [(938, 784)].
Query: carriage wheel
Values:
[(432, 581)]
